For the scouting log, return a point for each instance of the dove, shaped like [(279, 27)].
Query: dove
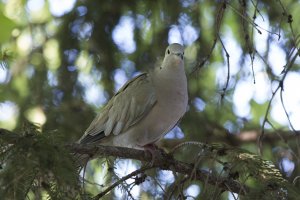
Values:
[(145, 108)]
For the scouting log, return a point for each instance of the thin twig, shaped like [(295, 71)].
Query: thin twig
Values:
[(218, 20), (228, 68), (251, 48), (280, 86), (110, 188), (260, 138), (256, 10), (256, 26)]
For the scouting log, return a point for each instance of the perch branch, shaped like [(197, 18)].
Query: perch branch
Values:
[(162, 161)]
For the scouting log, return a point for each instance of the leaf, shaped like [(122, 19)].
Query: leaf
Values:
[(7, 26)]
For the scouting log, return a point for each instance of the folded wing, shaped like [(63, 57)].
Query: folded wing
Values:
[(128, 106)]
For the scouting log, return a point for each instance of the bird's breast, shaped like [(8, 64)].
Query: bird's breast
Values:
[(172, 98), (171, 89), (172, 94)]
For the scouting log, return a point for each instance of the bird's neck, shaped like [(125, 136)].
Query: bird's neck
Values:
[(169, 80)]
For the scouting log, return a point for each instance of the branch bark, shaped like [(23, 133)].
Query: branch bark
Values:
[(162, 161)]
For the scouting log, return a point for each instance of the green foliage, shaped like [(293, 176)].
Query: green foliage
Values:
[(7, 26), (5, 57), (33, 161), (263, 179)]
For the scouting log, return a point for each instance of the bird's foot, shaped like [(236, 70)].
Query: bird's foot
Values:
[(154, 151)]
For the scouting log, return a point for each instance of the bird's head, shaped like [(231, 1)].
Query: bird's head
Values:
[(174, 54)]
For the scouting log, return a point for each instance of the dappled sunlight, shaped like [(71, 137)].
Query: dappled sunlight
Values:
[(84, 62), (242, 95), (35, 5), (276, 58), (165, 177), (232, 196), (52, 79), (291, 92), (51, 54), (94, 93), (261, 39), (291, 100), (36, 115), (24, 43), (277, 112), (120, 78), (100, 174), (124, 167), (189, 35), (175, 133), (9, 112), (235, 53), (4, 76), (192, 191), (174, 35), (123, 35), (199, 104), (38, 11), (262, 88), (61, 7), (287, 166)]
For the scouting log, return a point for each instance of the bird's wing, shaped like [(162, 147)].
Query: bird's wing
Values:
[(129, 105)]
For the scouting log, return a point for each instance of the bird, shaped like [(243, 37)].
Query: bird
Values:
[(145, 108)]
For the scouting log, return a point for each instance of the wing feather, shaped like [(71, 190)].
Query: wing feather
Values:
[(128, 106)]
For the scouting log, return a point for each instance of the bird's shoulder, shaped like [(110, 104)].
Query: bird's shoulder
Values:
[(141, 79)]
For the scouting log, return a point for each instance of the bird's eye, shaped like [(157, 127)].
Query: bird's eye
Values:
[(168, 51)]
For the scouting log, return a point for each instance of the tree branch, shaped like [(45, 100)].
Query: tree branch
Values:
[(134, 173), (162, 161)]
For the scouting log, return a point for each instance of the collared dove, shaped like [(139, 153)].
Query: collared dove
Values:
[(145, 108)]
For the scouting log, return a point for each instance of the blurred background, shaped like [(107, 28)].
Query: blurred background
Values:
[(62, 60)]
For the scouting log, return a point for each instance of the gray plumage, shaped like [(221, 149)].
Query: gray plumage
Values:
[(145, 108)]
